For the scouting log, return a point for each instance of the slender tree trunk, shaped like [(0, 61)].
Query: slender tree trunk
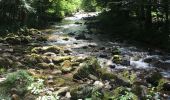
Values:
[(148, 20)]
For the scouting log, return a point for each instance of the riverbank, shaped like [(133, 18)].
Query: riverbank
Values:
[(71, 61)]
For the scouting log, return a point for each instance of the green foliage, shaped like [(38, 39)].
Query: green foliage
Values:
[(122, 93), (63, 7), (19, 80), (90, 5), (36, 87)]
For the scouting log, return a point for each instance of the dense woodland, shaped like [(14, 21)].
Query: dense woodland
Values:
[(84, 49)]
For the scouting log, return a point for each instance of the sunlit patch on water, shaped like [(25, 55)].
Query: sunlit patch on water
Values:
[(139, 64), (79, 16), (67, 26)]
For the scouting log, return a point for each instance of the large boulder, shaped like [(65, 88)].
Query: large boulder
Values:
[(81, 92)]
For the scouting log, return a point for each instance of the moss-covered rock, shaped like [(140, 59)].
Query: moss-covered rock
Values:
[(81, 92), (42, 38), (66, 66), (34, 59), (59, 82), (54, 49), (89, 67), (117, 59), (60, 59), (45, 66)]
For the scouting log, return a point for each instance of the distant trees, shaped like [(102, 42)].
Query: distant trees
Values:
[(14, 10), (144, 20)]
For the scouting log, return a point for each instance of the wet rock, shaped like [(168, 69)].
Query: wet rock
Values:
[(98, 84), (54, 49), (62, 90), (66, 38), (110, 64), (151, 59), (103, 55), (45, 66), (68, 95), (93, 77), (125, 62), (51, 54), (60, 59), (50, 82), (56, 72), (68, 51), (81, 36), (162, 64)]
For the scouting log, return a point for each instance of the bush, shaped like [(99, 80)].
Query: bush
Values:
[(19, 80)]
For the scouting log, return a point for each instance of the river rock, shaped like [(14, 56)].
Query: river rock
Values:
[(98, 84), (51, 54), (162, 64), (66, 66), (45, 66), (81, 36), (62, 90), (60, 59), (81, 92), (13, 40), (117, 59), (103, 55)]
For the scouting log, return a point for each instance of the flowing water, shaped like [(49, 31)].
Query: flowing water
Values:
[(138, 58)]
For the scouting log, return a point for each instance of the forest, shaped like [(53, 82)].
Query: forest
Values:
[(84, 50)]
